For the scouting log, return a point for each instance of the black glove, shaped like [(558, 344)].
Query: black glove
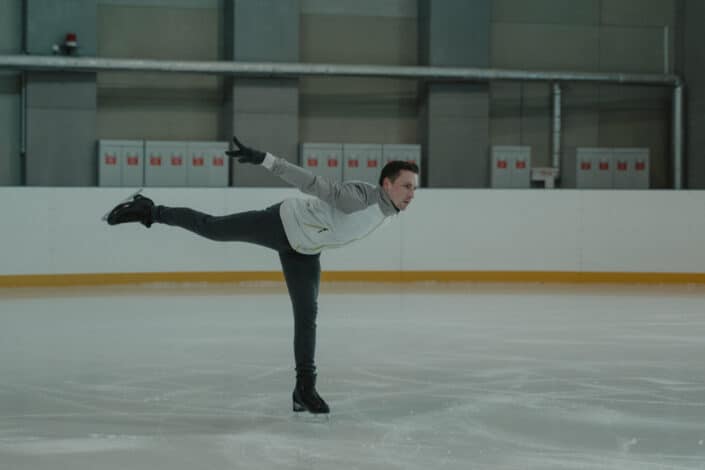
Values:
[(245, 154)]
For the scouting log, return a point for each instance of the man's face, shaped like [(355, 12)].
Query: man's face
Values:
[(401, 190)]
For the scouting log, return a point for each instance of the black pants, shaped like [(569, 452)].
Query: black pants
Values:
[(264, 228)]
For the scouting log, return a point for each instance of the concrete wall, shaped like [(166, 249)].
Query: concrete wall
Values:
[(10, 89), (262, 112), (61, 115), (169, 107), (159, 106), (590, 36), (58, 230), (692, 67), (60, 106), (454, 129), (362, 110)]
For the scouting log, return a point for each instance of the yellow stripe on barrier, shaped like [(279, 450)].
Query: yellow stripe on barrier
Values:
[(103, 279)]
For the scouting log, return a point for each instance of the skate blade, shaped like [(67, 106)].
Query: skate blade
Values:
[(129, 198), (306, 417)]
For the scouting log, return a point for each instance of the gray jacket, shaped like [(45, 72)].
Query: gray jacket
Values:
[(340, 214)]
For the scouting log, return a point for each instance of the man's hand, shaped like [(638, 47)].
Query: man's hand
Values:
[(245, 154)]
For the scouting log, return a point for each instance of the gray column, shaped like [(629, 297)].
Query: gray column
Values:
[(692, 68), (61, 107), (263, 113), (454, 117), (10, 94)]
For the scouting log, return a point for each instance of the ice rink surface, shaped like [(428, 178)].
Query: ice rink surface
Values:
[(417, 376)]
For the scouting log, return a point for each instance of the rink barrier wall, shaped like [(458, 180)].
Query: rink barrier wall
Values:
[(54, 236)]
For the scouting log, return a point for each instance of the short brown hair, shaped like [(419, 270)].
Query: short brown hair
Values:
[(392, 169)]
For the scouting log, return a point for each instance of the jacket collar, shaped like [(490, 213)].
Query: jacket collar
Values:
[(388, 208)]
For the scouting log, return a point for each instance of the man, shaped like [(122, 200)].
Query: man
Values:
[(298, 229)]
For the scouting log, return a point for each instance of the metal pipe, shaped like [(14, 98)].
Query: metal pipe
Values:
[(23, 128), (677, 122), (557, 127), (94, 64), (23, 101), (666, 49)]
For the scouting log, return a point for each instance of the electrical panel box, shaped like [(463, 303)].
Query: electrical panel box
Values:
[(165, 163), (323, 159), (109, 163), (631, 168), (511, 167), (207, 166), (595, 168), (362, 162), (121, 163), (612, 168)]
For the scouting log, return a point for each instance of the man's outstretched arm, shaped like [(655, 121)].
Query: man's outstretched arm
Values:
[(346, 197)]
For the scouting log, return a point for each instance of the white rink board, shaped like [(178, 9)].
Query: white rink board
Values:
[(58, 230)]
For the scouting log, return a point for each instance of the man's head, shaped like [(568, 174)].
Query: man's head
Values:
[(399, 180)]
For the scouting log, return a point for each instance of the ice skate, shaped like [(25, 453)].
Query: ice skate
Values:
[(306, 398), (135, 208)]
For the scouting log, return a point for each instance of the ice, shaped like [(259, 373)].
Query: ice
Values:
[(417, 376)]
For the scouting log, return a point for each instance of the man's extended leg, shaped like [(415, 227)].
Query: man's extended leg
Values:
[(303, 277), (262, 227)]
